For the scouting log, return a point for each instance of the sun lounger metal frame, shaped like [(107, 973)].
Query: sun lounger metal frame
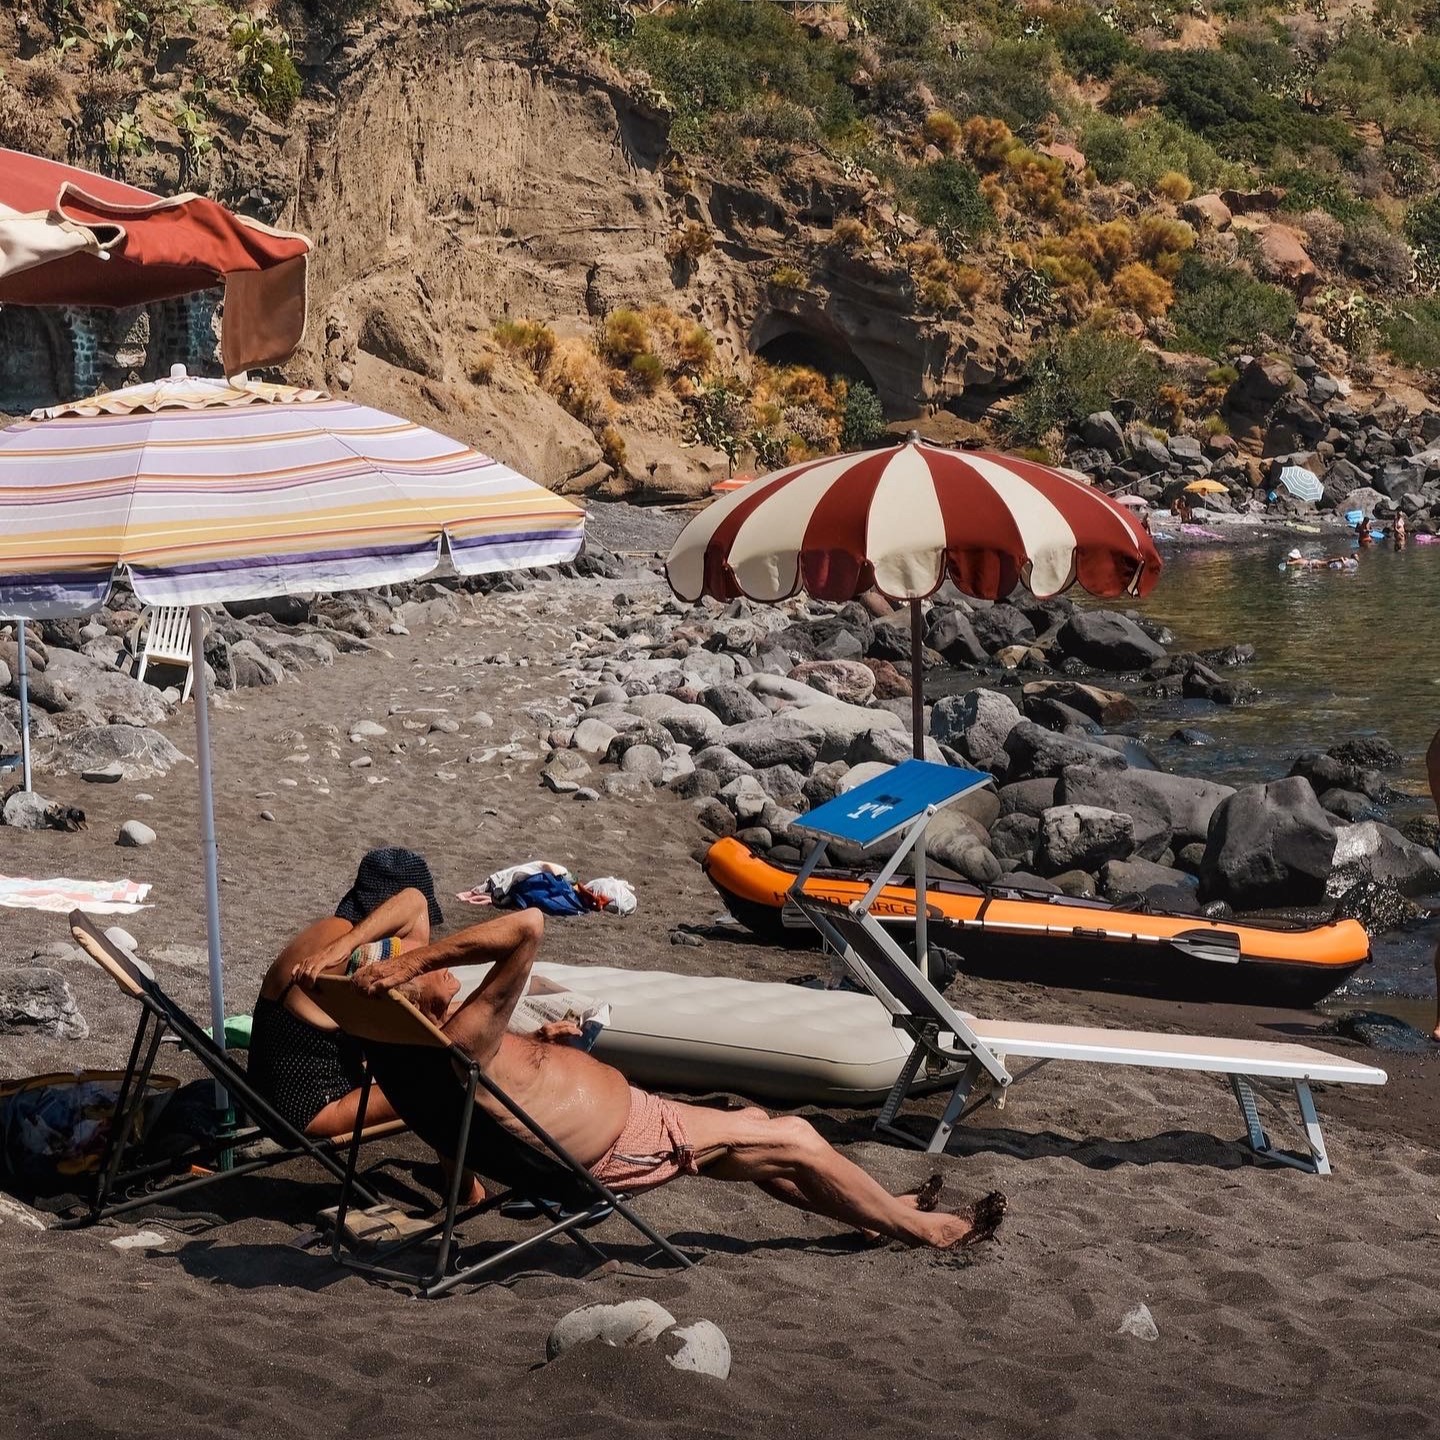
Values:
[(391, 1019), (970, 1050), (267, 1140)]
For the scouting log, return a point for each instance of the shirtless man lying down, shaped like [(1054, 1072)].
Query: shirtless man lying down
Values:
[(634, 1141)]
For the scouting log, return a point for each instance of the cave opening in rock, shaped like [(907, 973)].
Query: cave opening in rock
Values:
[(831, 357)]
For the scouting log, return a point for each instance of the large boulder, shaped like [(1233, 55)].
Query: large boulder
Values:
[(1165, 808), (1027, 797), (890, 747), (1035, 752), (38, 1000), (840, 725), (785, 739), (114, 695), (778, 690), (846, 680), (734, 704), (998, 626), (1105, 707), (976, 724), (954, 637), (1081, 837), (846, 636), (1108, 641), (693, 725), (962, 844), (1376, 852), (138, 753), (1268, 845), (891, 639)]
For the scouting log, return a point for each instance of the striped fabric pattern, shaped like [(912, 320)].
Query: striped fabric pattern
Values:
[(263, 492), (902, 520)]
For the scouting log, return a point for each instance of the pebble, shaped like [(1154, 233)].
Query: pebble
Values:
[(144, 795), (705, 1350), (289, 784), (298, 758), (366, 730), (106, 775), (631, 1322), (586, 792), (267, 815), (1140, 1324), (118, 935), (135, 833), (446, 725), (481, 720), (684, 937), (140, 1240), (363, 762)]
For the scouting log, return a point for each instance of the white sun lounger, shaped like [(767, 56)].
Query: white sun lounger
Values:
[(972, 1049), (167, 642)]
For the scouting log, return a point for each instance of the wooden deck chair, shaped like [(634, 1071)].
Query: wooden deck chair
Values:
[(432, 1084), (167, 642), (261, 1137), (973, 1050)]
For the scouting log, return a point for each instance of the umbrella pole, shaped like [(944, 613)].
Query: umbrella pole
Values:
[(201, 689), (917, 679), (23, 666)]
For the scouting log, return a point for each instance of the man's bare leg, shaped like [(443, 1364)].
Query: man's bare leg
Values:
[(787, 1158)]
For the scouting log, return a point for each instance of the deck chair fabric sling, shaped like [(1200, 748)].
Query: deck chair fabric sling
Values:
[(261, 1138), (432, 1084), (167, 642), (971, 1050)]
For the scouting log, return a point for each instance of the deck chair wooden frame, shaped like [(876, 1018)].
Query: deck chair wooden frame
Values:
[(167, 642), (263, 1139), (391, 1019), (945, 1040)]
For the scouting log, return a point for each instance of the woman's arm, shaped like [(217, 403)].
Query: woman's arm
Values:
[(405, 916)]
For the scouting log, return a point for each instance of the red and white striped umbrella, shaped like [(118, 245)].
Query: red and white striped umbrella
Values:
[(901, 520)]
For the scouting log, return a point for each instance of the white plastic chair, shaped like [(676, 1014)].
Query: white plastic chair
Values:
[(167, 641)]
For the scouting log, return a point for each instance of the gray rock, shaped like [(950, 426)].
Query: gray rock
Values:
[(1350, 805), (586, 792), (953, 637), (1036, 753), (781, 782), (1075, 883), (745, 797), (774, 690), (631, 1322), (106, 775), (696, 784), (716, 817), (1013, 837), (1371, 851), (1268, 845), (756, 837), (26, 810), (593, 736), (648, 734), (977, 724), (250, 667), (36, 999), (1000, 626), (363, 730), (733, 704), (1081, 837), (135, 833), (723, 761), (300, 653), (1105, 707), (789, 738), (693, 725), (889, 747), (846, 680), (1108, 641), (1027, 797), (827, 781), (140, 753), (1122, 878), (962, 844), (643, 760), (859, 774), (569, 767), (627, 787), (1103, 430), (114, 695), (1162, 806)]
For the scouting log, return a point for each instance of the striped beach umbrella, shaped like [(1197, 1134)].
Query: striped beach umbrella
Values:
[(206, 491), (902, 520)]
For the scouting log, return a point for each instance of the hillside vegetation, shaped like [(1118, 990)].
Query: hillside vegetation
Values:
[(1111, 203)]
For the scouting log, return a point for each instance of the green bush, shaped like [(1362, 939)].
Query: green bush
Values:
[(1217, 307), (947, 196), (1310, 190), (1412, 333), (1422, 224), (1084, 371), (1144, 150), (862, 422), (1088, 45), (1008, 79)]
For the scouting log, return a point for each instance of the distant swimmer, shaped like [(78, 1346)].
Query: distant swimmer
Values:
[(1362, 532), (1398, 533)]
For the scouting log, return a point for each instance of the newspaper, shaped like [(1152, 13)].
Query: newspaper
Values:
[(546, 1008)]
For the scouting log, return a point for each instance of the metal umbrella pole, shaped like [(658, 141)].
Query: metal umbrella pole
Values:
[(917, 718), (23, 668), (201, 690)]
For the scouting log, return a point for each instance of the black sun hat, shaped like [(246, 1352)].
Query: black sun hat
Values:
[(382, 875)]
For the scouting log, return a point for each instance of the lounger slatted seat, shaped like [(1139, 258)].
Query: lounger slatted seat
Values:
[(432, 1085), (976, 1050), (262, 1137), (167, 642)]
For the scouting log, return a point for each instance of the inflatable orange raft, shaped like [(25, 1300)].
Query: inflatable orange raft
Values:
[(1021, 934)]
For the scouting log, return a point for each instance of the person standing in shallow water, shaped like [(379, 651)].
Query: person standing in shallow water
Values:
[(1432, 769)]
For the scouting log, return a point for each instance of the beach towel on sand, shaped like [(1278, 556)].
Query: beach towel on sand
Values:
[(99, 897)]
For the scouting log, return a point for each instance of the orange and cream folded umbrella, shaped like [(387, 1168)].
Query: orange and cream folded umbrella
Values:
[(70, 237)]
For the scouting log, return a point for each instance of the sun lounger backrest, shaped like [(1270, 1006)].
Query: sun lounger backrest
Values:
[(129, 972), (389, 1018)]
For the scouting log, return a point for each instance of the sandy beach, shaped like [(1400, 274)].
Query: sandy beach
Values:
[(1286, 1304)]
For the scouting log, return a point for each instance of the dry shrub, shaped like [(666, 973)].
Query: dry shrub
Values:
[(21, 128), (531, 339), (936, 295), (44, 84), (612, 446), (787, 277), (689, 244), (967, 281), (850, 234), (580, 382), (987, 141), (942, 130), (1137, 287), (648, 371), (1164, 243), (624, 336), (683, 346), (1173, 186), (1324, 237), (1115, 240)]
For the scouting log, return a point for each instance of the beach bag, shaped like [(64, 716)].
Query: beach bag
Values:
[(552, 894), (55, 1128)]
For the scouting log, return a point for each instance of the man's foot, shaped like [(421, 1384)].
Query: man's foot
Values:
[(971, 1225)]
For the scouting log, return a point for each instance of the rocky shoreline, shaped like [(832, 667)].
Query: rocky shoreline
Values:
[(753, 714)]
